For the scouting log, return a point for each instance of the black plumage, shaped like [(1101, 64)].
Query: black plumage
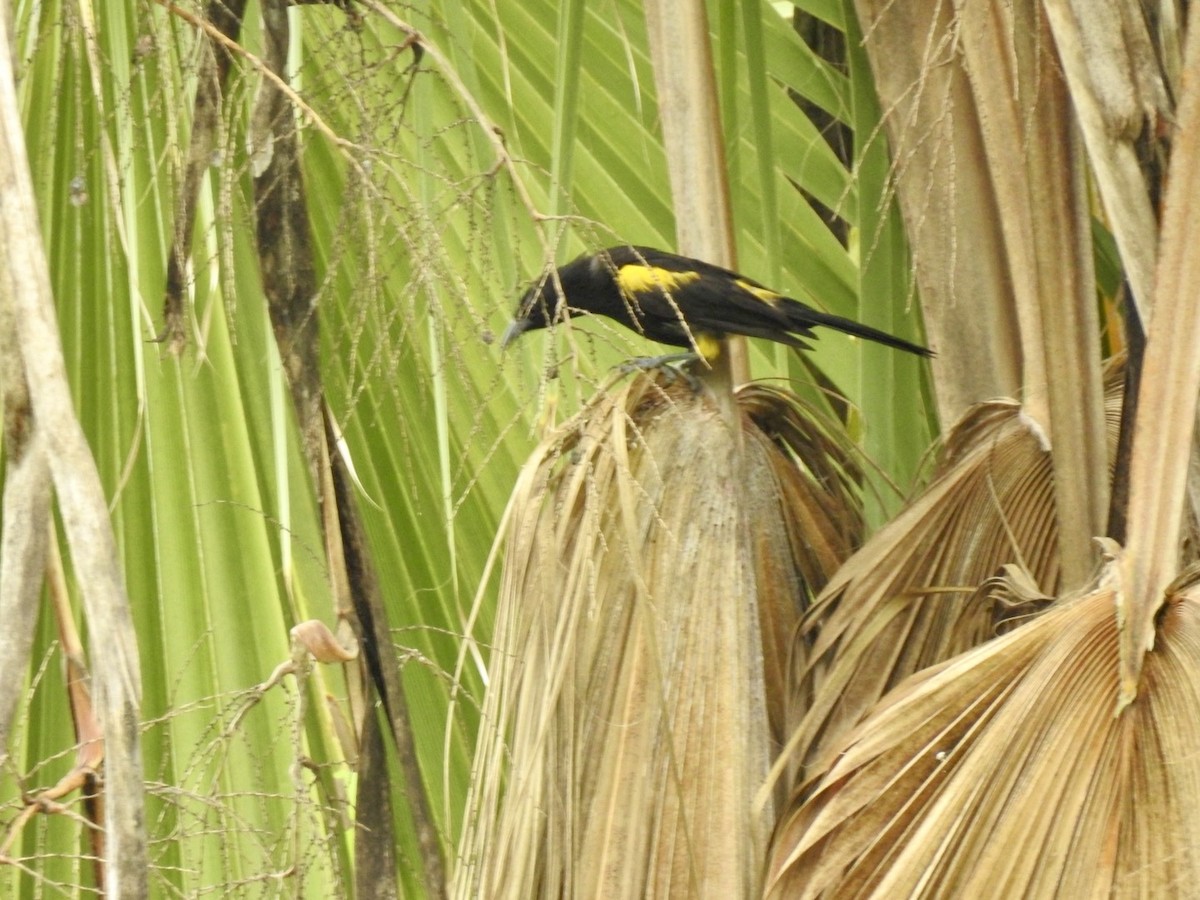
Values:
[(680, 301)]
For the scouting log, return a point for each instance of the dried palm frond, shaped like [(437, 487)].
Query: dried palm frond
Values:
[(656, 565), (1006, 773), (920, 592)]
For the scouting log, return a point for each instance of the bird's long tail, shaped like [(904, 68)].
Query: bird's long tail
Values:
[(849, 326)]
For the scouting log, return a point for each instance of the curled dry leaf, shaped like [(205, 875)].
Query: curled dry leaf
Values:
[(315, 637)]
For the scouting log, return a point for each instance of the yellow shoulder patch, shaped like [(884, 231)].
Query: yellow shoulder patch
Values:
[(762, 293), (636, 279)]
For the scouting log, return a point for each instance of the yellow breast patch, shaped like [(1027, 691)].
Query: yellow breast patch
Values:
[(707, 345), (636, 279)]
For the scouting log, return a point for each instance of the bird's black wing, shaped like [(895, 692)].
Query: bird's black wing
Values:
[(710, 299), (722, 300)]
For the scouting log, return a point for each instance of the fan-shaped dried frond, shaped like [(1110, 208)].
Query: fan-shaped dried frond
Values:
[(1005, 773), (915, 594), (918, 592), (654, 579)]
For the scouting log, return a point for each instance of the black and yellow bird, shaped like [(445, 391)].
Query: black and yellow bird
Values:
[(679, 301)]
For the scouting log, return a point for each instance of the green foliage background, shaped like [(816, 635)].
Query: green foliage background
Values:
[(426, 227)]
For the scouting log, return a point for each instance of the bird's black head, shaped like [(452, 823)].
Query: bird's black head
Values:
[(543, 304), (537, 309)]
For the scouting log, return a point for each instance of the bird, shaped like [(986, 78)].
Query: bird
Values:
[(680, 302)]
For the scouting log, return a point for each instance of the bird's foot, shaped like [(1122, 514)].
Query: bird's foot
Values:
[(673, 365)]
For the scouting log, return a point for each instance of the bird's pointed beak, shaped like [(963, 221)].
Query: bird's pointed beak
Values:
[(515, 329)]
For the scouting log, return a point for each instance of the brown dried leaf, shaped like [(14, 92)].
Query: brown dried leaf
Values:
[(915, 594), (315, 637), (919, 592), (1001, 238), (1117, 90), (1006, 773), (652, 585)]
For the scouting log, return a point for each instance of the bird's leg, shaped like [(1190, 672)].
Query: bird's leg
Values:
[(665, 363), (644, 363)]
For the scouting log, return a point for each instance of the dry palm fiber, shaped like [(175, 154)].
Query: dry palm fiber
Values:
[(921, 591), (1008, 772), (656, 564)]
